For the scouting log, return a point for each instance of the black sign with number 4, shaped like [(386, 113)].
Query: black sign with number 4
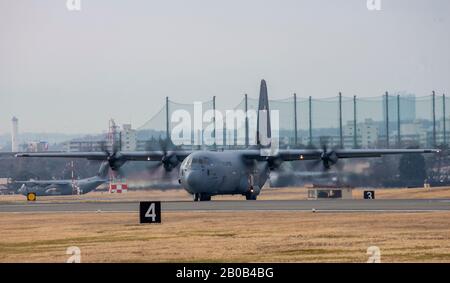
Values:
[(150, 211), (369, 194)]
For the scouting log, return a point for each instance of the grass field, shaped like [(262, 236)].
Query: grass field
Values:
[(226, 237)]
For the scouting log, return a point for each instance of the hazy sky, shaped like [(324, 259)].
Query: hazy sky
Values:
[(63, 71)]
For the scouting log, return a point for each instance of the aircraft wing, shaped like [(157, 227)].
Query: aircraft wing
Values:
[(361, 153), (151, 155), (122, 155), (7, 155), (87, 155), (45, 182), (314, 154)]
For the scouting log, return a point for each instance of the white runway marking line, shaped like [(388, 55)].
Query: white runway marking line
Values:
[(309, 210), (239, 210), (70, 211)]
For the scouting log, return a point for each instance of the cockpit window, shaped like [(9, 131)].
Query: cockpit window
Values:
[(197, 161), (188, 162)]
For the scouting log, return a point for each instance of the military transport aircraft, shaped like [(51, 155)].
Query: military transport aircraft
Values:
[(207, 173), (64, 187)]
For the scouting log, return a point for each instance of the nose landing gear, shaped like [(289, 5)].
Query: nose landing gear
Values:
[(250, 196), (202, 197), (253, 193)]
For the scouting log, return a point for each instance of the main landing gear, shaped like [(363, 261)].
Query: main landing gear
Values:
[(201, 197), (250, 196), (252, 193)]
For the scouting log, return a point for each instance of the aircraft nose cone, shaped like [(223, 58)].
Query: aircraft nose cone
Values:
[(194, 179)]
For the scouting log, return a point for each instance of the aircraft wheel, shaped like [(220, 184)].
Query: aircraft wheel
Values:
[(31, 197), (196, 197), (204, 197), (250, 197)]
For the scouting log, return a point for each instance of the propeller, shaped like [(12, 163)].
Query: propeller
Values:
[(275, 163), (113, 158), (169, 159), (327, 157)]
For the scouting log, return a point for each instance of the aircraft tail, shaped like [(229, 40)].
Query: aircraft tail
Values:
[(263, 131), (104, 170)]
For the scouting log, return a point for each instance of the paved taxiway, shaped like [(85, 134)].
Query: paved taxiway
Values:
[(268, 205)]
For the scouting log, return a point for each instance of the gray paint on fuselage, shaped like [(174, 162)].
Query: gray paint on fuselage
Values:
[(225, 172)]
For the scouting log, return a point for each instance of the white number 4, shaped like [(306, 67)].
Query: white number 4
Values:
[(151, 212)]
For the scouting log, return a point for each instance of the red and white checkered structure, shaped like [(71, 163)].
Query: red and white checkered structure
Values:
[(118, 187)]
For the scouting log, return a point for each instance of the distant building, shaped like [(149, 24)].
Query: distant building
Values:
[(413, 133), (87, 146), (15, 135), (124, 140), (34, 146), (128, 138), (367, 134)]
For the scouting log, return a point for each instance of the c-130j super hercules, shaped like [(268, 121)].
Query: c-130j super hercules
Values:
[(206, 173)]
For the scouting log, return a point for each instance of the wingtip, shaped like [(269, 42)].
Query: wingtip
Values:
[(21, 155)]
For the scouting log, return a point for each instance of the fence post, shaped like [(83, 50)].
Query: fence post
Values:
[(224, 131), (387, 119), (214, 120), (310, 121), (398, 122), (341, 139), (434, 119), (167, 118), (246, 119), (295, 120), (443, 121), (355, 132)]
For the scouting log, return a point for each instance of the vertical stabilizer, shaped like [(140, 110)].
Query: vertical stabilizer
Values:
[(263, 131)]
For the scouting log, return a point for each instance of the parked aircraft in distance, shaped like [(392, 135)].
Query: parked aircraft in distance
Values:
[(65, 187)]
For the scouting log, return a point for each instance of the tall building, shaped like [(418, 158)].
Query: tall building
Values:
[(367, 134), (15, 135), (128, 138)]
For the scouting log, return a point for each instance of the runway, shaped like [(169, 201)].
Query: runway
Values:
[(412, 205)]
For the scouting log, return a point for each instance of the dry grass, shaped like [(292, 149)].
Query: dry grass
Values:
[(402, 193), (226, 237), (293, 193)]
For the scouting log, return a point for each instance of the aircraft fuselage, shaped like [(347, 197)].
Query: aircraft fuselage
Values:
[(84, 185), (218, 173)]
